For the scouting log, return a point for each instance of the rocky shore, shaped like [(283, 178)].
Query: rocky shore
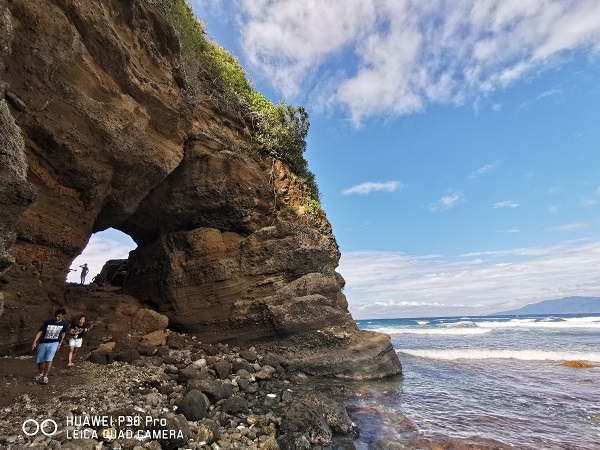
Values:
[(174, 394)]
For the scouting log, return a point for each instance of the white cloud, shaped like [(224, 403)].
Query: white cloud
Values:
[(369, 186), (387, 284), (402, 56), (550, 93), (483, 170), (569, 227), (446, 202), (506, 204)]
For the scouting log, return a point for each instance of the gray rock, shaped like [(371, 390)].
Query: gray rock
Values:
[(302, 419), (235, 404), (146, 349), (334, 414), (293, 441), (98, 357), (249, 355), (222, 368), (176, 341), (128, 355), (241, 364), (194, 405), (179, 425), (213, 389), (189, 373), (162, 351)]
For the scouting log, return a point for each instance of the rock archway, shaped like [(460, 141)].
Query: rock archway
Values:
[(226, 246)]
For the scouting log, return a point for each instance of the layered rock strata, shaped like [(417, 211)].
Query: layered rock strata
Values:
[(228, 246)]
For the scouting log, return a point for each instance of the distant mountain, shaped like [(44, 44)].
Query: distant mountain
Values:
[(567, 305)]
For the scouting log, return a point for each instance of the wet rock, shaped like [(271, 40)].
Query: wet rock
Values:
[(578, 364), (293, 441), (334, 414), (305, 420)]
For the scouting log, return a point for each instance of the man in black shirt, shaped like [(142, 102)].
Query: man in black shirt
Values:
[(47, 340)]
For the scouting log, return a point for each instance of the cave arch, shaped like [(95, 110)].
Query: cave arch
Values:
[(103, 246)]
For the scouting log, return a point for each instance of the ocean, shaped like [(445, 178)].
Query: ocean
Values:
[(497, 378)]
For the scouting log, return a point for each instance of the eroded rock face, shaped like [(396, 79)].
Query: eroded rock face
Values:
[(227, 246)]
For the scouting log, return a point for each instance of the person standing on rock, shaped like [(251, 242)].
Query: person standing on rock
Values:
[(47, 341), (76, 333), (84, 272)]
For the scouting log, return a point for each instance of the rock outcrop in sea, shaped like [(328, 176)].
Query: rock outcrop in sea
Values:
[(99, 130)]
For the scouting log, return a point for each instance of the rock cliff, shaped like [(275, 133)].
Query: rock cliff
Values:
[(99, 131)]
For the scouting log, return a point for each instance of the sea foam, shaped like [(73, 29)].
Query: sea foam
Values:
[(547, 322), (452, 330), (525, 355)]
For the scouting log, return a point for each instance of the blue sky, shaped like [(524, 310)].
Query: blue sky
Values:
[(456, 144)]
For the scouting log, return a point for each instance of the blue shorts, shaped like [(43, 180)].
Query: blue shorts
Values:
[(46, 352)]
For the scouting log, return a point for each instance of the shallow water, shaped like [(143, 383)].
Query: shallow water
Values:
[(488, 377)]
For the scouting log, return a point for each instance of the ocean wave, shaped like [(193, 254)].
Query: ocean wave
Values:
[(525, 355), (463, 331), (422, 322), (463, 324), (544, 322)]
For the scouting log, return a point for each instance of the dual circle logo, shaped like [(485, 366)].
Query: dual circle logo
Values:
[(47, 427)]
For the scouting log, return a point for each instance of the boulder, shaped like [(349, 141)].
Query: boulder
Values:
[(181, 432), (222, 368), (303, 420), (207, 432), (235, 404), (213, 389), (334, 414), (155, 339), (147, 321), (194, 405)]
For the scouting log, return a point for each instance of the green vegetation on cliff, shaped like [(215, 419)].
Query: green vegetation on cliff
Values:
[(279, 129)]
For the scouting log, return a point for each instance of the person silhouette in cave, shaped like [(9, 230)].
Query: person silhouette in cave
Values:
[(84, 272)]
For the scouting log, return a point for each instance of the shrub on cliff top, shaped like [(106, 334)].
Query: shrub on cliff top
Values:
[(280, 129)]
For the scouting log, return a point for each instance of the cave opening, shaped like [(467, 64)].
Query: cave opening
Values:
[(102, 246)]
